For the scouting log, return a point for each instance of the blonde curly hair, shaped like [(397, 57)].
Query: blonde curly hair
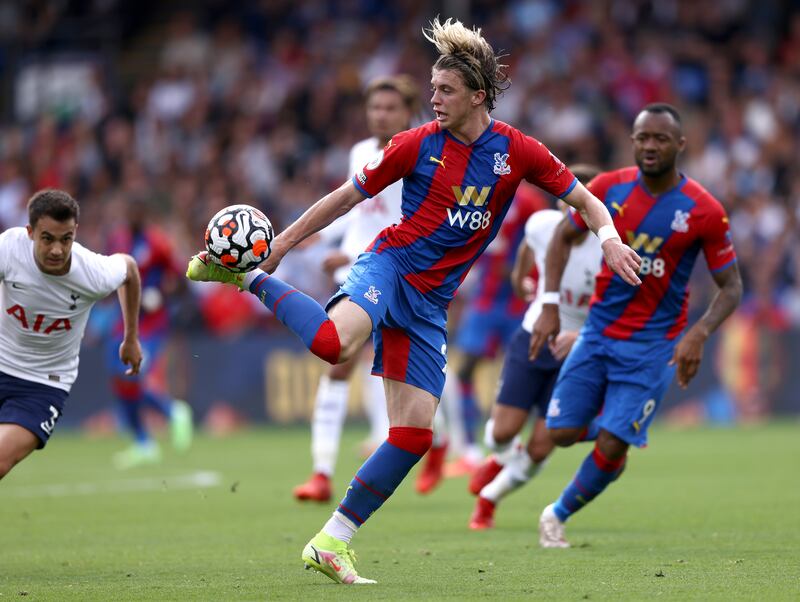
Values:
[(467, 52)]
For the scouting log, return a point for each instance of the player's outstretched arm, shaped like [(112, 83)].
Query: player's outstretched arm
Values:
[(548, 324), (618, 256), (130, 295), (689, 351), (319, 215)]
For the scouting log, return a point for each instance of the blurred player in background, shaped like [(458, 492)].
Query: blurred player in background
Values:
[(492, 315), (391, 103), (160, 278), (629, 349), (525, 384), (460, 173), (49, 285)]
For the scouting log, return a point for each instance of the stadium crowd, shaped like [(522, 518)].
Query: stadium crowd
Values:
[(224, 102)]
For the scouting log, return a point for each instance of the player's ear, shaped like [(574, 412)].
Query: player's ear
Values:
[(478, 98), (681, 143), (30, 231)]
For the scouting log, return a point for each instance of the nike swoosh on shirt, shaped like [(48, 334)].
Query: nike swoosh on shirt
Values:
[(16, 285)]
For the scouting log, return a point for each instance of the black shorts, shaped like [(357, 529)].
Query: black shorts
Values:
[(527, 384), (31, 405)]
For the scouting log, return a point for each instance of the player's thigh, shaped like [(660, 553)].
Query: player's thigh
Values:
[(353, 326), (580, 388), (409, 405), (16, 442), (637, 382)]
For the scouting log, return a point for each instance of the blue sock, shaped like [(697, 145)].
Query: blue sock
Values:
[(470, 412), (592, 478), (300, 313), (131, 415), (160, 403), (380, 475)]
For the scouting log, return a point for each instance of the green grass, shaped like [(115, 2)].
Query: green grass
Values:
[(701, 514)]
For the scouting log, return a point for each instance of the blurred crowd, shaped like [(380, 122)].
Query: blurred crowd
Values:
[(194, 106)]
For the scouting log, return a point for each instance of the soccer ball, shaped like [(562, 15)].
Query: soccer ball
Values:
[(238, 238)]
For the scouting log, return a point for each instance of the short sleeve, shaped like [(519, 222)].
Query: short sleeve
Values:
[(539, 230), (395, 161), (546, 170), (104, 273), (717, 243), (5, 251)]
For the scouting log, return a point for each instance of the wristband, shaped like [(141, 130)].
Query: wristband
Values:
[(551, 298), (607, 232)]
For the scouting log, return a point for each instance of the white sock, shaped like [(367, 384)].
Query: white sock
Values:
[(517, 471), (330, 409), (250, 276), (503, 452), (340, 527), (439, 428), (374, 401)]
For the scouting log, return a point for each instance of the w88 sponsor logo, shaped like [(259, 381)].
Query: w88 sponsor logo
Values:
[(474, 220)]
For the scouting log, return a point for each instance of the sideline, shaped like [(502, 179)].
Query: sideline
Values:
[(201, 479)]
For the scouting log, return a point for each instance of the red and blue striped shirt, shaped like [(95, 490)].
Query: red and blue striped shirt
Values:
[(668, 232), (455, 196)]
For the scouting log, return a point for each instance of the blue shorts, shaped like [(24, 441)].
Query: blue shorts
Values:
[(409, 332), (625, 379), (482, 331), (31, 405), (527, 384)]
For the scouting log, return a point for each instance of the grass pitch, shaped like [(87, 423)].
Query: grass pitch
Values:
[(710, 514)]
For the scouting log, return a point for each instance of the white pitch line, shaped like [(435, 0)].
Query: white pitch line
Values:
[(201, 479)]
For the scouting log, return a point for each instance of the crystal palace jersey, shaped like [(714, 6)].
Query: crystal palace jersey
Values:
[(44, 316), (455, 196), (668, 232)]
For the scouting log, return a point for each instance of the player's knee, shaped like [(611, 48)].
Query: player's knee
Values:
[(502, 435), (6, 464), (611, 446), (539, 451), (565, 437)]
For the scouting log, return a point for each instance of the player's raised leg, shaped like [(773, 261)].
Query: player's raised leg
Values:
[(301, 314)]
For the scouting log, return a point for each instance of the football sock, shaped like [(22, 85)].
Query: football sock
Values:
[(375, 408), (129, 401), (160, 403), (516, 472), (380, 475), (330, 408), (340, 527), (470, 413), (503, 452), (299, 312), (440, 437), (593, 476)]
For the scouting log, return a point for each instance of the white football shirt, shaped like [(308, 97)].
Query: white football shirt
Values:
[(359, 227), (43, 317), (577, 283)]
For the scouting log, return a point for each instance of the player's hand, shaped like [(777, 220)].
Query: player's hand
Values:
[(562, 344), (547, 326), (130, 352), (334, 261), (688, 354), (622, 260), (276, 253)]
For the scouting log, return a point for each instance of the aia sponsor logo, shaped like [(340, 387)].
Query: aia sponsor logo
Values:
[(39, 323)]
